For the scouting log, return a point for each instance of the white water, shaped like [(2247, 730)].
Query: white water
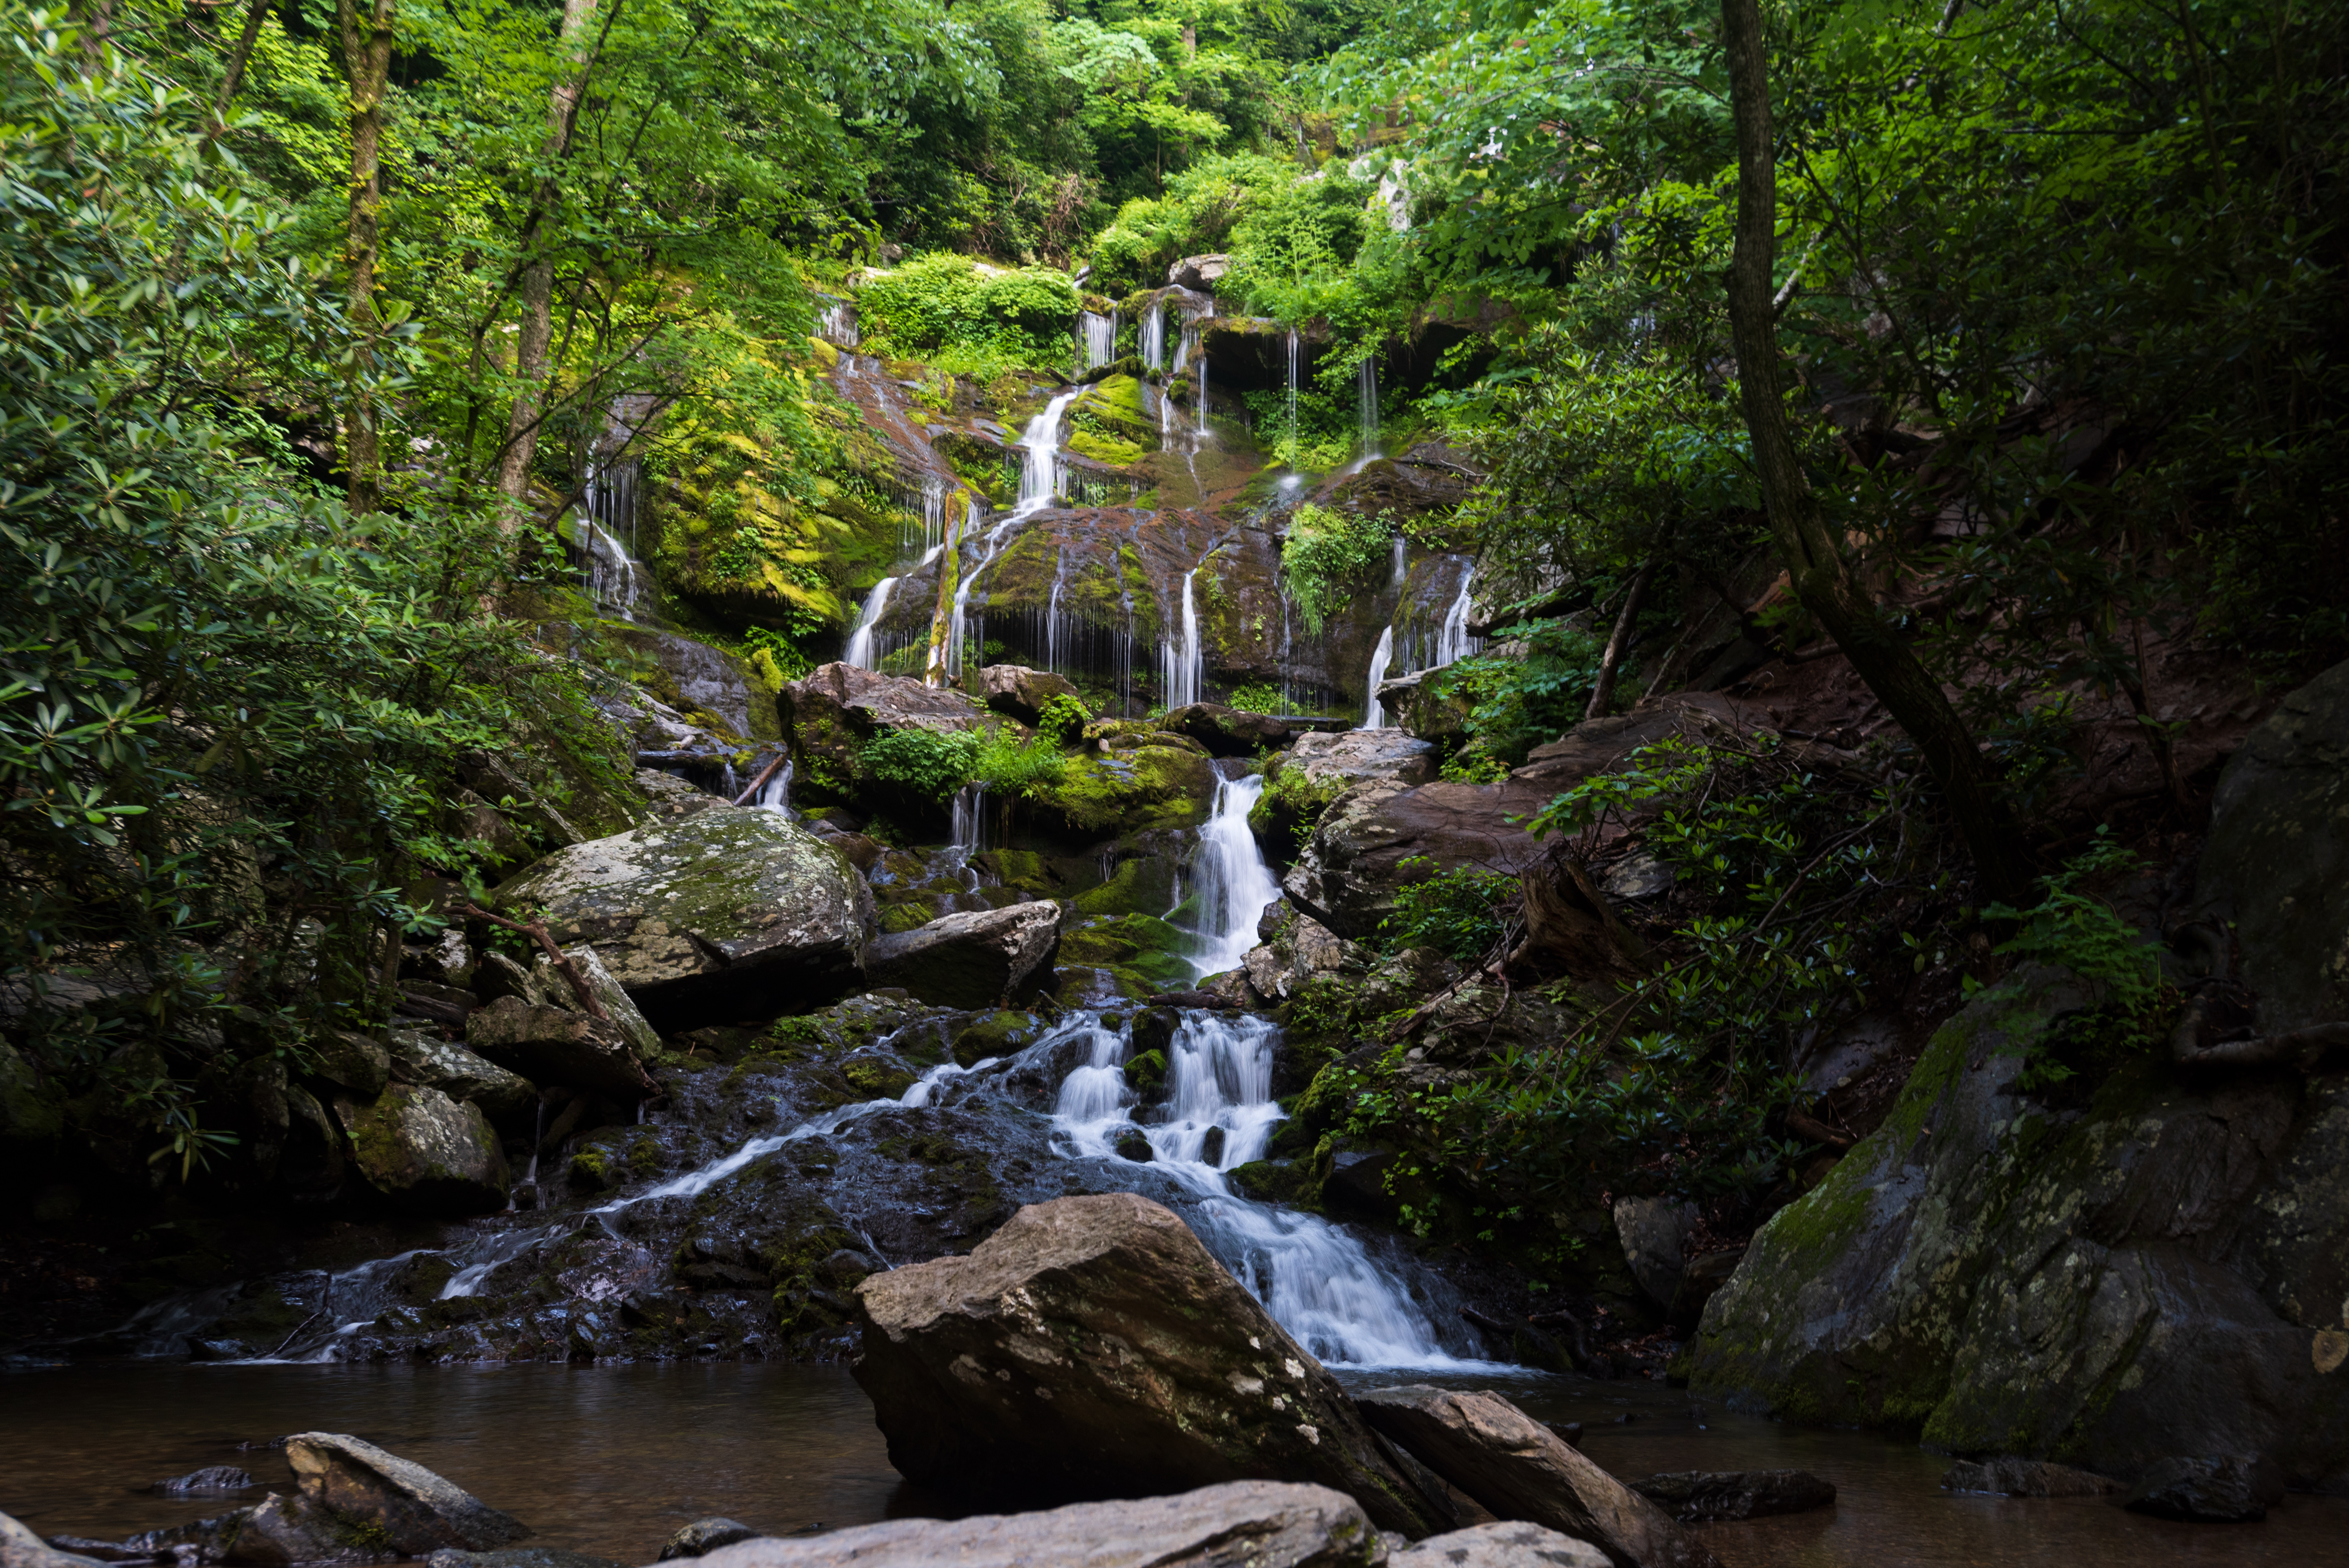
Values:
[(1235, 884), (775, 794), (1367, 401), (836, 324), (1293, 464), (1180, 664), (1154, 337), (859, 642), (1099, 334), (969, 834), (1040, 477), (1373, 716), (1452, 642)]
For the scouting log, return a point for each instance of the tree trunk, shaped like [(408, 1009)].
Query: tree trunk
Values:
[(537, 286), (1820, 575), (233, 77), (367, 62), (1602, 692)]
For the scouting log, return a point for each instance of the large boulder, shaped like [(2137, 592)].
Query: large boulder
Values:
[(20, 1548), (1226, 731), (1694, 1497), (1505, 1544), (1654, 1232), (429, 1062), (725, 915), (974, 958), (1092, 1346), (557, 1045), (425, 1151), (1351, 756), (2277, 862), (358, 1503), (1258, 1524), (830, 713), (1020, 692), (1516, 1467)]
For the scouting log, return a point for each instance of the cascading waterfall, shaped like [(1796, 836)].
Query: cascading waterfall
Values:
[(1154, 337), (1373, 716), (862, 651), (1367, 400), (1235, 886), (1452, 642), (775, 794), (836, 323), (607, 512), (1099, 334), (970, 831), (1294, 447), (1180, 665), (1201, 363), (1040, 468)]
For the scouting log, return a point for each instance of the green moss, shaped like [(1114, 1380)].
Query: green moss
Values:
[(877, 1080), (1141, 945), (1004, 1034), (905, 914)]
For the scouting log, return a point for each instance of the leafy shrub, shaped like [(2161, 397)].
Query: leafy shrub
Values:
[(1256, 699), (1328, 555), (1457, 912), (946, 309), (777, 657), (2084, 934), (1008, 766), (924, 764), (1472, 763), (1521, 697), (1063, 721)]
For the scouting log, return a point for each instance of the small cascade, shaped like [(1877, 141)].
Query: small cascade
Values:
[(1154, 337), (932, 538), (1180, 664), (1373, 716), (1402, 564), (1184, 344), (1294, 445), (1235, 884), (1367, 400), (836, 322), (1057, 630), (1202, 364), (1453, 641), (970, 832), (775, 794), (614, 578), (1039, 473), (1098, 336), (863, 649), (1170, 424)]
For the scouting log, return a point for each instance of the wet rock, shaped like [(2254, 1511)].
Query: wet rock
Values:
[(1261, 1525), (2217, 1489), (727, 915), (1226, 731), (212, 1480), (2011, 1477), (408, 1507), (1002, 1033), (354, 1062), (20, 1548), (205, 1541), (557, 1045), (2277, 862), (669, 796), (1200, 273), (519, 1557), (497, 975), (1652, 1230), (1021, 692), (831, 713), (1351, 756), (1092, 1345), (619, 1008), (1518, 1468), (1694, 1497), (704, 1536), (1503, 1544), (419, 1059), (1153, 781), (974, 958), (1131, 1145), (426, 1152)]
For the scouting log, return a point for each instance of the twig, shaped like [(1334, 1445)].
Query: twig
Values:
[(561, 959), (764, 774)]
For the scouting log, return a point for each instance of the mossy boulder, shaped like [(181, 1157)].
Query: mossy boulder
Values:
[(1144, 954), (1002, 1034), (837, 708), (425, 1152), (1162, 780)]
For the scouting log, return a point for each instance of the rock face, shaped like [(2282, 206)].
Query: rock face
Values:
[(1259, 1524), (724, 915), (1021, 692), (2154, 1274), (1517, 1469), (1226, 731), (1352, 756), (357, 1503), (970, 959), (1695, 1497), (2277, 863), (427, 1152), (837, 708), (1093, 1345), (20, 1548), (1653, 1231), (1500, 1545), (557, 1045)]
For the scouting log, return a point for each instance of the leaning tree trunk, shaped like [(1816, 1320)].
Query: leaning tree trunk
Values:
[(1821, 577), (367, 62)]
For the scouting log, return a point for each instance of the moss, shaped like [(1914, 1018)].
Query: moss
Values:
[(906, 915), (1277, 1181), (1004, 1034), (1142, 946), (876, 1079), (1130, 791)]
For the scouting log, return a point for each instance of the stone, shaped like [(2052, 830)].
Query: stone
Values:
[(1351, 756), (20, 1548), (2276, 865), (354, 1062), (282, 1531), (975, 958), (1699, 1280), (1093, 1346), (1237, 1524), (2012, 1477), (1517, 1469), (1020, 692), (426, 1152), (832, 712), (704, 1536), (496, 975), (1508, 1543), (1200, 273), (1694, 1497), (419, 1059), (519, 1557), (618, 1006), (557, 1045), (414, 1510), (1652, 1230), (1305, 951), (667, 795), (711, 918), (2218, 1490), (310, 1164), (1226, 731), (212, 1480), (204, 1541)]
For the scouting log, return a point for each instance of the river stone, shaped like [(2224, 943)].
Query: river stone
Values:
[(557, 1045), (725, 915), (1093, 1346), (2277, 861), (1226, 731), (1508, 1543), (976, 958), (1239, 1524), (704, 1536), (419, 1058), (837, 708), (2011, 1477), (20, 1548), (427, 1152), (1021, 692), (519, 1557), (2215, 1490), (1353, 755), (1517, 1469), (1201, 272), (358, 1063), (416, 1510), (1694, 1497), (1653, 1231)]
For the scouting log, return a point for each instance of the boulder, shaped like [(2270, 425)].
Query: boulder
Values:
[(1200, 273), (1304, 951), (1093, 1346), (425, 1151), (973, 959), (1501, 1544), (212, 1480), (519, 1557), (20, 1548), (1517, 1469), (830, 713), (2277, 862), (720, 916), (667, 796), (557, 1045), (358, 1063), (1226, 731), (704, 1536), (416, 1510), (419, 1059), (1260, 1524), (1695, 1497), (1351, 756), (2211, 1489), (2011, 1477), (618, 1006), (1021, 692), (1652, 1230)]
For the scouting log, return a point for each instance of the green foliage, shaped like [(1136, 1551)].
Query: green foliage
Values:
[(2081, 932), (974, 321), (922, 763), (1006, 765), (1062, 721), (1255, 700), (778, 657), (1472, 763), (1456, 913), (1525, 690), (1328, 555)]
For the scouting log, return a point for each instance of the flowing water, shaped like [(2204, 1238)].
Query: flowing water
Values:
[(1182, 661), (1039, 482), (861, 651), (1374, 717)]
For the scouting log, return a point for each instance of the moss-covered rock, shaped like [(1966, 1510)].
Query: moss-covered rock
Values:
[(1002, 1033), (1144, 954), (1164, 781), (426, 1152)]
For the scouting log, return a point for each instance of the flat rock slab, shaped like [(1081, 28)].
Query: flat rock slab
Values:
[(417, 1511), (1517, 1469), (975, 958), (20, 1548), (1511, 1543), (1093, 1347), (1239, 1524), (1695, 1497)]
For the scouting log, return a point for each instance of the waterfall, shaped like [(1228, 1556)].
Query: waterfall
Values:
[(775, 794), (836, 322), (1182, 349), (1294, 447), (1452, 642), (1099, 334), (608, 510), (1235, 884), (1402, 568), (1056, 623), (861, 651), (935, 491), (1367, 397), (1154, 337), (969, 834), (1180, 665), (1373, 716), (1040, 468), (1202, 393)]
